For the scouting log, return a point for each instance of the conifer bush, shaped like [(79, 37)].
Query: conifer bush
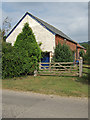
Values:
[(23, 57), (63, 53)]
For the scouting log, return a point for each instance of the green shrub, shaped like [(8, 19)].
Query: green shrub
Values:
[(81, 53), (63, 53), (26, 41), (6, 47), (15, 65), (23, 58), (86, 57), (6, 55)]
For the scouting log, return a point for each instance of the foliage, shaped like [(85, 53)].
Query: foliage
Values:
[(84, 44), (6, 47), (14, 64), (23, 57), (43, 54), (86, 57), (26, 41), (82, 53), (4, 38), (88, 54), (63, 53), (40, 43), (6, 55)]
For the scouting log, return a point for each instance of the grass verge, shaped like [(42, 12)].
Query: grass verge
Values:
[(63, 86)]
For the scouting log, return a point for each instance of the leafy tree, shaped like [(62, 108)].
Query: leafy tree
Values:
[(26, 41), (81, 53), (87, 56), (84, 44), (23, 57), (63, 53)]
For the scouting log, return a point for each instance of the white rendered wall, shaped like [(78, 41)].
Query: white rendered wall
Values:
[(42, 34)]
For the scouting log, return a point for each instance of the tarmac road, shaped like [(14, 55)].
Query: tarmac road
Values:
[(33, 105)]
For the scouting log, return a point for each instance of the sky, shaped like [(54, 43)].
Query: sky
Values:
[(69, 17)]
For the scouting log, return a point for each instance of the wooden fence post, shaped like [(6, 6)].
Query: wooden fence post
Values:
[(39, 65), (35, 73), (80, 66), (50, 66)]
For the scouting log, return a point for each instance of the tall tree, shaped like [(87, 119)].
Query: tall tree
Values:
[(23, 57), (26, 40)]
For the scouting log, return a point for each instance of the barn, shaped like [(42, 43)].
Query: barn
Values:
[(46, 34)]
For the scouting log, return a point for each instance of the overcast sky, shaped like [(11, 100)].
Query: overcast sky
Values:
[(69, 17)]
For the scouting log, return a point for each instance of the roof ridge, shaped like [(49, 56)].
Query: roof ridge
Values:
[(59, 31), (47, 25)]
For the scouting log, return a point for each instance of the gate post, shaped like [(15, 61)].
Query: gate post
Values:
[(80, 66), (39, 65), (35, 73)]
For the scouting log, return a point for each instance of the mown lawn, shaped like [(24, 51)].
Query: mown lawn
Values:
[(63, 86)]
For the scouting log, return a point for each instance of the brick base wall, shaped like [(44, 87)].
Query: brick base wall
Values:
[(61, 40)]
